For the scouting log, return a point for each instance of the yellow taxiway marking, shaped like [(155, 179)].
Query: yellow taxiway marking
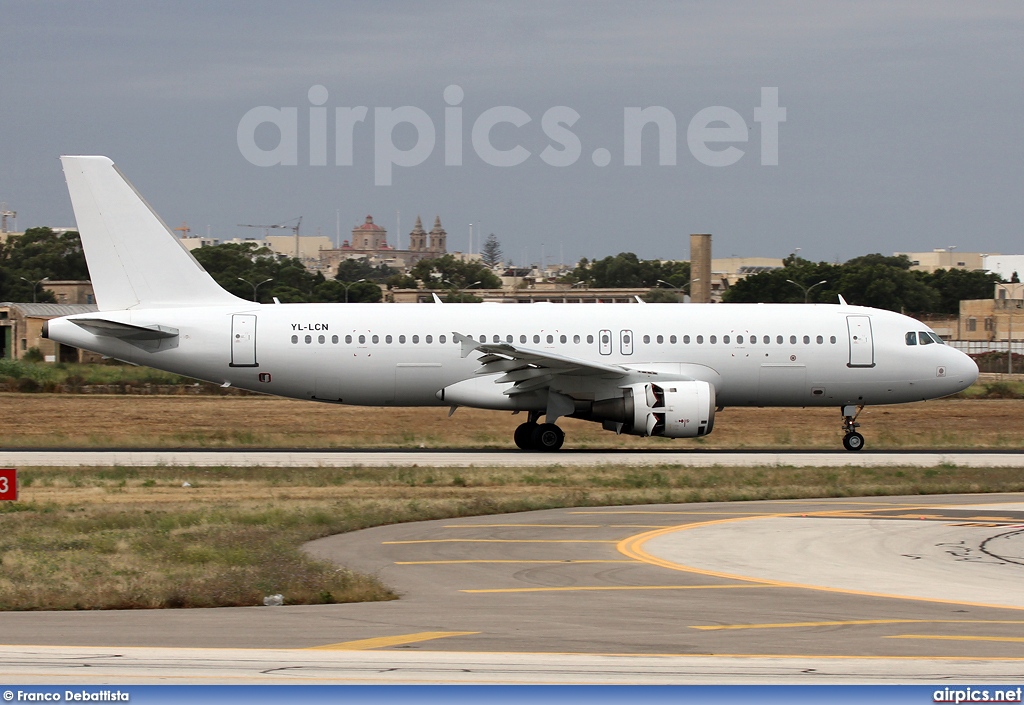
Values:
[(596, 588), (850, 622), (554, 526), (633, 548), (392, 543), (506, 560), (384, 641), (1015, 639)]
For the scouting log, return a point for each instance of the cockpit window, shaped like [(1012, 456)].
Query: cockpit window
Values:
[(925, 338), (937, 339), (911, 338)]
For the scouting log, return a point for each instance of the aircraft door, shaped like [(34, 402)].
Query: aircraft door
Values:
[(626, 342), (862, 347), (243, 340), (605, 340)]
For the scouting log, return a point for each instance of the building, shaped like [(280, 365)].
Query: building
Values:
[(1000, 318), (21, 330), (1005, 265), (369, 241), (945, 258), (562, 294), (71, 291)]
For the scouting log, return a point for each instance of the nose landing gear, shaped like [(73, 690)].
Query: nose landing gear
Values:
[(852, 440)]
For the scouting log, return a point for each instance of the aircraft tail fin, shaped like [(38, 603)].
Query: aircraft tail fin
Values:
[(134, 260)]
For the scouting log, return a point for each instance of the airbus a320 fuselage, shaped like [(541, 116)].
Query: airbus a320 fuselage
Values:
[(648, 370)]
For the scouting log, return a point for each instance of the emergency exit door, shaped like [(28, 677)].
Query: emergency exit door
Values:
[(862, 347), (243, 340)]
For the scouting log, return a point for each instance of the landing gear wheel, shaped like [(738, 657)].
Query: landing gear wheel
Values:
[(548, 437), (524, 435), (853, 441)]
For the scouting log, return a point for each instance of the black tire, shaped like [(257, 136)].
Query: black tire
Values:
[(853, 441), (524, 435), (548, 437)]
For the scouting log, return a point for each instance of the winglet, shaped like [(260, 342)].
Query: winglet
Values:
[(842, 301), (468, 344), (437, 300)]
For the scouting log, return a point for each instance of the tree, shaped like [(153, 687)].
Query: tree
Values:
[(626, 270), (447, 272), (36, 254), (956, 285), (490, 253)]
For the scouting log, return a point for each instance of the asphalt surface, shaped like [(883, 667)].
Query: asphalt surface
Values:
[(500, 458), (905, 589)]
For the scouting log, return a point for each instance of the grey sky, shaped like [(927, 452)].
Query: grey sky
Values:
[(902, 129)]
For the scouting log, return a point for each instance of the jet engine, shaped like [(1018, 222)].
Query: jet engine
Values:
[(671, 409)]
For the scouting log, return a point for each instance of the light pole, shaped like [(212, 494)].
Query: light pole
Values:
[(807, 289), (949, 251), (34, 285), (682, 288), (255, 286), (350, 284), (462, 293)]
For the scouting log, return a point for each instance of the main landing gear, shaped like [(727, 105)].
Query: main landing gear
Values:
[(852, 440), (539, 436)]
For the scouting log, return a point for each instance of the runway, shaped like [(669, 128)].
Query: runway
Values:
[(499, 458), (866, 590)]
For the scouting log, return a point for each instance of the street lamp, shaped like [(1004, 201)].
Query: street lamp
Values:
[(949, 251), (682, 288), (807, 289), (462, 293), (34, 285), (350, 284), (255, 286)]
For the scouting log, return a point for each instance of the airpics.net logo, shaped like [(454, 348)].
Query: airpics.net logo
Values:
[(711, 134)]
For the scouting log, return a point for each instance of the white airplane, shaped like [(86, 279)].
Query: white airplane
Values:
[(651, 370)]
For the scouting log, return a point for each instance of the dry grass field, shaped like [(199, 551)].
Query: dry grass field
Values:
[(69, 420)]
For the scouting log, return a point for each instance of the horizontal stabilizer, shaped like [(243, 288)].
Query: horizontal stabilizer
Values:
[(124, 331)]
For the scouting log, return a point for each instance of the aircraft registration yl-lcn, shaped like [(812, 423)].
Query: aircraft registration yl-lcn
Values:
[(652, 370)]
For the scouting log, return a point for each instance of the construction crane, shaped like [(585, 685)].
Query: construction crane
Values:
[(4, 215), (293, 228), (183, 229)]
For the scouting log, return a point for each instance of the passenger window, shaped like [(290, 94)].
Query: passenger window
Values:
[(925, 338), (334, 339), (576, 339), (362, 340), (415, 339), (496, 339), (712, 340), (536, 338), (348, 339), (321, 340), (647, 340), (911, 338), (700, 340), (551, 338), (686, 340), (508, 338), (820, 340), (672, 339), (768, 340), (375, 339), (309, 339), (295, 338), (590, 340), (388, 339), (660, 339), (832, 340), (792, 340), (779, 339), (562, 339), (442, 339), (725, 339), (401, 339), (429, 339)]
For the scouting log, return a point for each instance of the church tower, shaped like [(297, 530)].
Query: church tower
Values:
[(438, 237), (418, 237), (369, 236)]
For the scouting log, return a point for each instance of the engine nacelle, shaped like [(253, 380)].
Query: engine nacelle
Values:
[(671, 409)]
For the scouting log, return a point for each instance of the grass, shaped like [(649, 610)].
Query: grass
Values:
[(116, 538)]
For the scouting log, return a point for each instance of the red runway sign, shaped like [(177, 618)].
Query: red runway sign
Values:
[(8, 484)]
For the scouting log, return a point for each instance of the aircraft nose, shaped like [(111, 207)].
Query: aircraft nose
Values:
[(962, 370)]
